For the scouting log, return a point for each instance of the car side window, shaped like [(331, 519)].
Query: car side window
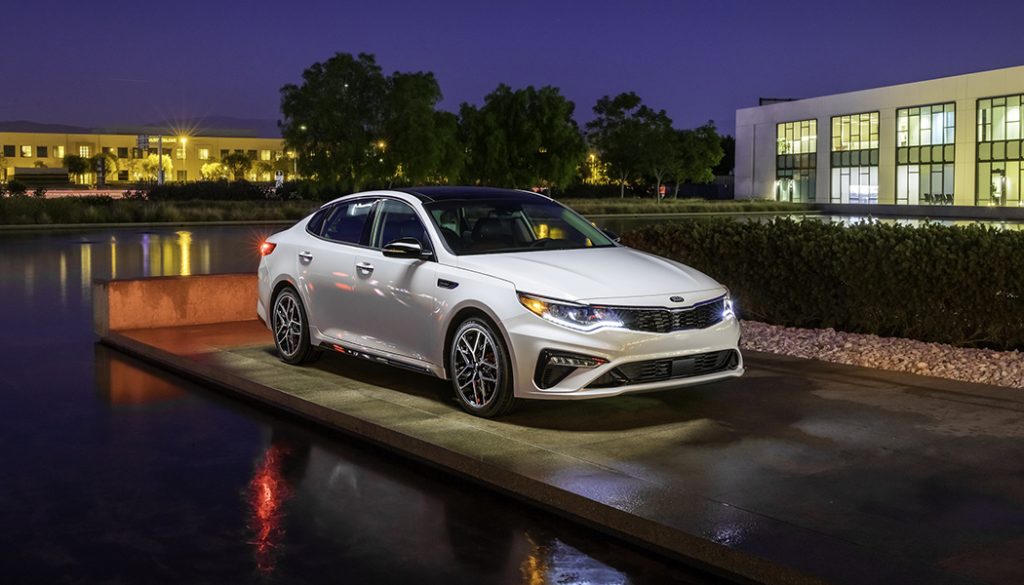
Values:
[(316, 223), (398, 220), (347, 222)]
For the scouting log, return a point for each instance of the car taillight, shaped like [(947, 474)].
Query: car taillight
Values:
[(266, 248)]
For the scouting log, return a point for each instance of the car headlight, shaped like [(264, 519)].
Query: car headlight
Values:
[(728, 310), (571, 315)]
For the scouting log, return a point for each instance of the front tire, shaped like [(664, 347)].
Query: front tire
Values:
[(291, 329), (480, 369)]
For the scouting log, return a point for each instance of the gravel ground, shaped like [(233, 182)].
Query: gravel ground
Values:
[(1001, 368)]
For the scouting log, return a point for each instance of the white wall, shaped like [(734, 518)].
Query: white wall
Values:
[(755, 130)]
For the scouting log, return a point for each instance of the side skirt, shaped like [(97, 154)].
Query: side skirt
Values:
[(375, 357)]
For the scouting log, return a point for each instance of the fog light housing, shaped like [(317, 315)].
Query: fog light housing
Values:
[(555, 366)]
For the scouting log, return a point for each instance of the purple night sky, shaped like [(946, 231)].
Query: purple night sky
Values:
[(116, 63)]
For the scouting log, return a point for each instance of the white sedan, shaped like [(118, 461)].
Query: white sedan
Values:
[(507, 294)]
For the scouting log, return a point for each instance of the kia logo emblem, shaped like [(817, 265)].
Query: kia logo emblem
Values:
[(676, 299)]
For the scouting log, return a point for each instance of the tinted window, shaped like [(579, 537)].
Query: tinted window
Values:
[(491, 225), (398, 220), (347, 221), (316, 223)]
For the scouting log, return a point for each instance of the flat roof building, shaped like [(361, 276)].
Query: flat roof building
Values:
[(26, 149), (950, 141)]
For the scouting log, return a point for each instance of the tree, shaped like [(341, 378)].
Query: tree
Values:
[(410, 139), (76, 165), (152, 163), (110, 164), (697, 151), (451, 151), (522, 138), (237, 164), (332, 119), (262, 169), (727, 165), (215, 171), (624, 130)]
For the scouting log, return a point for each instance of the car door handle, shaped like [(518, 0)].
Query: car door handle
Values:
[(364, 268), (305, 256)]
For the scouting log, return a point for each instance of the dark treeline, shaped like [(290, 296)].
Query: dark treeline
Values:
[(352, 127)]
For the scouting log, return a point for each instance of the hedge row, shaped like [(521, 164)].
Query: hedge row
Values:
[(33, 210), (958, 285)]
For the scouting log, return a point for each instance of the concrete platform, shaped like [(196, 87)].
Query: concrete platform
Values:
[(800, 472)]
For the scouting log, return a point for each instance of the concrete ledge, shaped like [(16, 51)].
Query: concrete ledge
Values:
[(173, 301)]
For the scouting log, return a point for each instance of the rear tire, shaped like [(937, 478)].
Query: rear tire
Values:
[(480, 369), (291, 329)]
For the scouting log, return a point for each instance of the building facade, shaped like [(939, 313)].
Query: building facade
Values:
[(129, 160), (949, 141)]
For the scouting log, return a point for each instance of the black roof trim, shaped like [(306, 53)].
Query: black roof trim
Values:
[(457, 193)]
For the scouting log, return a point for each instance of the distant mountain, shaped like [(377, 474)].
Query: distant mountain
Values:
[(27, 126)]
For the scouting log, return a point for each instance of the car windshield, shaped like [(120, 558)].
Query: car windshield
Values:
[(488, 226)]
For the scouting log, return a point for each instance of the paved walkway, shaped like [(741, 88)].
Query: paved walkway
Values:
[(799, 472)]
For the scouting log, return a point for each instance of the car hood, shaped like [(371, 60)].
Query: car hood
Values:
[(594, 274)]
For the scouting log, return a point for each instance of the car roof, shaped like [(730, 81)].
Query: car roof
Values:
[(445, 193)]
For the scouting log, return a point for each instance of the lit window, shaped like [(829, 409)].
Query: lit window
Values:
[(179, 153), (855, 132), (925, 154), (84, 151), (264, 155), (796, 161), (58, 151), (1000, 152), (204, 154), (26, 151)]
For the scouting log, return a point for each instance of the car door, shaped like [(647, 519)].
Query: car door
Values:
[(398, 297), (327, 268)]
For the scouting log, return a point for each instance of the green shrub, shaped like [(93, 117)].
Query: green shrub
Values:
[(617, 206), (959, 285)]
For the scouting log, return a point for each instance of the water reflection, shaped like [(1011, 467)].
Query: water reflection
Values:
[(280, 469), (171, 482)]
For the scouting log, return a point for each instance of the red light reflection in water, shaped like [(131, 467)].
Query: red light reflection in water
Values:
[(268, 492)]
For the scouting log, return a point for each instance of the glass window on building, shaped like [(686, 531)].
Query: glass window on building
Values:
[(251, 154), (796, 161), (42, 152), (925, 137), (204, 154), (179, 153), (223, 153), (26, 151), (9, 150), (58, 151), (122, 152), (854, 158), (84, 151), (181, 176), (264, 155), (1000, 151), (122, 175)]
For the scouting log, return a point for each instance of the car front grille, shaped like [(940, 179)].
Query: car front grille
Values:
[(656, 320), (669, 369)]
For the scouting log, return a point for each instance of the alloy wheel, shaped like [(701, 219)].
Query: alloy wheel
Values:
[(478, 375), (287, 325)]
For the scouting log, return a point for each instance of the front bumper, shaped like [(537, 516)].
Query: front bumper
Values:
[(530, 336)]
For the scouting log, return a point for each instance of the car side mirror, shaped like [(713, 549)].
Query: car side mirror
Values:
[(612, 235), (406, 248)]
